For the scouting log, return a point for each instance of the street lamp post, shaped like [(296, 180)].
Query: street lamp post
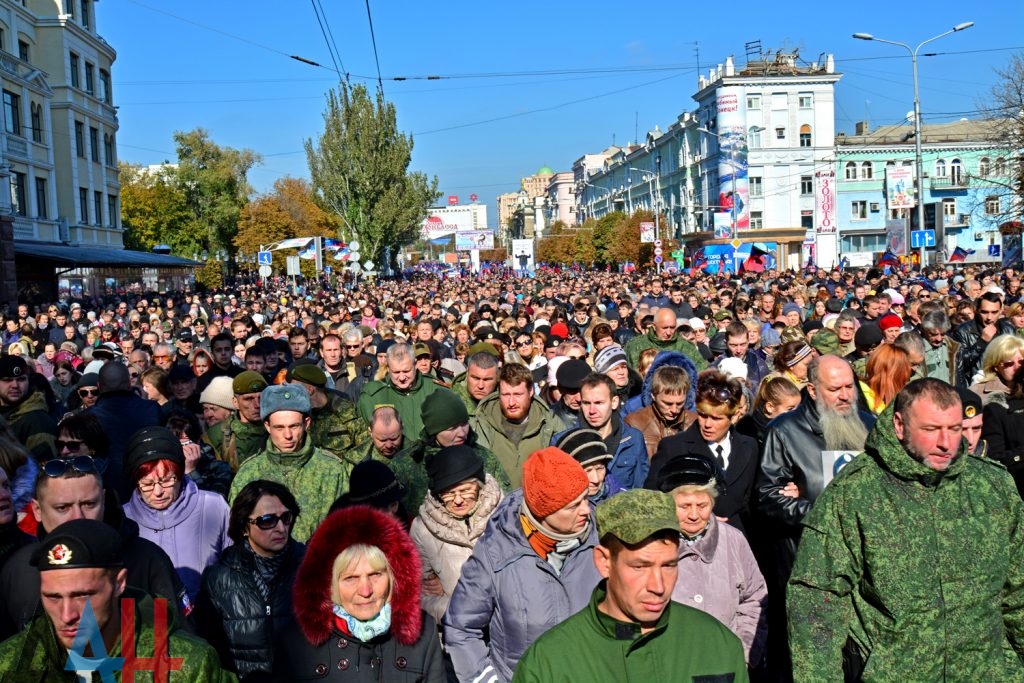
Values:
[(918, 163), (657, 202)]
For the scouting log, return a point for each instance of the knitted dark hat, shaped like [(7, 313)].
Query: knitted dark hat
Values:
[(443, 410), (373, 483), (452, 465), (867, 336), (571, 373), (551, 480), (152, 443), (585, 446)]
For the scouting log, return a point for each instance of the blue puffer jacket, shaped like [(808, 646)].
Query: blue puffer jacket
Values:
[(630, 463), (509, 590), (645, 397)]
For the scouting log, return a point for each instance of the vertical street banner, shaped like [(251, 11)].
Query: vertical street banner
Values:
[(647, 235), (899, 183), (896, 236), (825, 202), (733, 186)]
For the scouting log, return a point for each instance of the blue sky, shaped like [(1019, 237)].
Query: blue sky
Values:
[(524, 84)]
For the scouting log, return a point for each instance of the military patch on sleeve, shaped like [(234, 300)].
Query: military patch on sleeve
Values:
[(715, 678)]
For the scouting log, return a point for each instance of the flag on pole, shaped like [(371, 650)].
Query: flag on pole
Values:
[(889, 259), (755, 263), (960, 255), (699, 261)]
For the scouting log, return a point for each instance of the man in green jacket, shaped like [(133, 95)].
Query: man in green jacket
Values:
[(81, 627), (663, 336), (335, 425), (242, 435), (387, 445), (631, 630), (315, 478), (911, 562), (404, 388), (511, 423), (24, 410)]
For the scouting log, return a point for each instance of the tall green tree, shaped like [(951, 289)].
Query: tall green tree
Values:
[(359, 167), (153, 209), (214, 181)]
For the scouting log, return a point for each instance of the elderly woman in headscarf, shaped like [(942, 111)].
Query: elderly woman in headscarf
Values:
[(356, 602), (453, 516), (717, 570)]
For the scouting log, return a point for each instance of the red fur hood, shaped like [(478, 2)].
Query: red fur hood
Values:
[(349, 526)]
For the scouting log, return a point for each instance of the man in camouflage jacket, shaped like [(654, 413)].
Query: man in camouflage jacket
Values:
[(242, 435), (911, 563), (335, 426)]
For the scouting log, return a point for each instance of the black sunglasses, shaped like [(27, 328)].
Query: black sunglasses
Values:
[(268, 522), (57, 467), (70, 444), (90, 392)]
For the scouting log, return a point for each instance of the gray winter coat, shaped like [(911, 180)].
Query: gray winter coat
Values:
[(507, 589)]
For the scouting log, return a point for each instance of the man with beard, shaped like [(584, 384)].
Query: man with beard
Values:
[(792, 475), (911, 565)]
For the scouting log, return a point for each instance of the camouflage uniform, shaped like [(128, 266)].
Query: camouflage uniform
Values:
[(32, 426), (34, 654), (408, 470), (636, 345), (337, 429), (919, 573), (407, 403), (235, 441), (462, 391), (315, 478)]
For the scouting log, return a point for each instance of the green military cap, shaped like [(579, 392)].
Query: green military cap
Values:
[(483, 347), (825, 341), (635, 515), (79, 544), (248, 382), (308, 373), (723, 314)]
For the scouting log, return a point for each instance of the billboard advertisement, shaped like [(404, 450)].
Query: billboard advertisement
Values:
[(896, 236), (825, 202), (474, 239), (733, 187), (899, 184), (445, 222)]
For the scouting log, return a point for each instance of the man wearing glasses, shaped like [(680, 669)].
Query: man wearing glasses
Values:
[(69, 489), (25, 409)]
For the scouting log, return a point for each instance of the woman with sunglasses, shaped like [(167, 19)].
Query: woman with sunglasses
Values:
[(245, 599), (189, 524)]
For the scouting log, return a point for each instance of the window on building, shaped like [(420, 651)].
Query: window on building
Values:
[(867, 170), (94, 144), (23, 51), (806, 100), (105, 93), (41, 197), (754, 137), (753, 102), (83, 205), (859, 210), (890, 164), (1000, 166), (37, 121), (756, 186), (984, 166), (75, 65), (108, 149), (112, 210), (86, 19), (875, 242), (3, 37), (956, 171), (80, 139), (805, 135), (949, 208), (90, 78), (992, 205), (97, 207), (940, 168), (780, 133), (18, 203), (850, 172), (12, 113), (806, 185), (756, 219)]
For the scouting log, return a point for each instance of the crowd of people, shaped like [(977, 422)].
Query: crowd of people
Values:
[(777, 476)]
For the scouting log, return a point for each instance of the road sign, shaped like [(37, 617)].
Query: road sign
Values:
[(736, 244), (657, 243), (657, 259), (265, 271), (293, 265), (265, 258), (922, 238), (657, 251), (328, 270)]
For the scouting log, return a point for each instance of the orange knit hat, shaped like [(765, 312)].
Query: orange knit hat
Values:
[(551, 480)]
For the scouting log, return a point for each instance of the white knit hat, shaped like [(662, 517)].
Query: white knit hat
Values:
[(218, 393)]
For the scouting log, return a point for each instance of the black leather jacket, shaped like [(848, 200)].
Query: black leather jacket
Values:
[(972, 348), (231, 615)]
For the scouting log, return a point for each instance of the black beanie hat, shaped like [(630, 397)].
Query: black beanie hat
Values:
[(152, 443), (451, 465)]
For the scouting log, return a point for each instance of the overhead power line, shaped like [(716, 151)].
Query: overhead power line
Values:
[(373, 40)]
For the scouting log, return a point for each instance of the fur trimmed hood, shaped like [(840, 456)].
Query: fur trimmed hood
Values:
[(311, 596)]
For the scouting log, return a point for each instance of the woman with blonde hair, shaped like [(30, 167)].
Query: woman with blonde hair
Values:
[(1002, 357), (888, 371)]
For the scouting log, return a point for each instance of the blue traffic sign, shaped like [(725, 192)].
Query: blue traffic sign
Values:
[(922, 238), (264, 258)]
